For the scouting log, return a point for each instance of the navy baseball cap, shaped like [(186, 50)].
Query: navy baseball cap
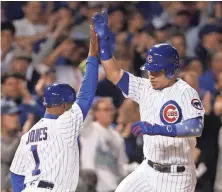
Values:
[(9, 108), (207, 29)]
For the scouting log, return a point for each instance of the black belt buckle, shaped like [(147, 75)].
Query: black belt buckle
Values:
[(157, 167), (46, 185)]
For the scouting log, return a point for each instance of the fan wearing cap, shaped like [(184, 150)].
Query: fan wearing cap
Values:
[(22, 63), (209, 42), (161, 30), (14, 88), (10, 137)]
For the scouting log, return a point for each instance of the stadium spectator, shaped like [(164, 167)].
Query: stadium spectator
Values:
[(102, 148), (81, 31), (210, 41), (21, 64), (161, 30), (116, 19), (136, 22), (208, 78), (14, 88), (10, 138), (7, 44), (31, 28), (194, 64), (128, 113), (178, 40), (67, 71)]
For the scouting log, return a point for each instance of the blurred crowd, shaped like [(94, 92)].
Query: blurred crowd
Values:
[(47, 42)]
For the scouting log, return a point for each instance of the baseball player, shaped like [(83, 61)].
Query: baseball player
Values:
[(171, 117), (47, 158)]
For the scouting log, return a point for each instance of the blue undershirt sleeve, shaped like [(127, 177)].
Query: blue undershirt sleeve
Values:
[(188, 128), (89, 85), (123, 83), (17, 182)]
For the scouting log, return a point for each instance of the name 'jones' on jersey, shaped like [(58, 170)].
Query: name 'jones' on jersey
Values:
[(37, 135)]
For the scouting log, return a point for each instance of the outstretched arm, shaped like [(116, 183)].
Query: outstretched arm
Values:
[(112, 69), (89, 84), (188, 128), (109, 63), (126, 82)]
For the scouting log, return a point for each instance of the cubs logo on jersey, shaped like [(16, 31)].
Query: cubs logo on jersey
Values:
[(170, 113), (197, 104)]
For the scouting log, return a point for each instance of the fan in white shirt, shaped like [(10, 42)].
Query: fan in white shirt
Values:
[(31, 28), (102, 148)]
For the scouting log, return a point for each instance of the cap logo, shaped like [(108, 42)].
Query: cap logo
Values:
[(149, 58)]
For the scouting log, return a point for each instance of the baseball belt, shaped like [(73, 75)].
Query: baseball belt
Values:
[(166, 168)]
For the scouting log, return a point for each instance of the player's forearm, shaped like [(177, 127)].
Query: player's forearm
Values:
[(17, 182), (89, 84), (34, 38), (188, 128), (112, 69)]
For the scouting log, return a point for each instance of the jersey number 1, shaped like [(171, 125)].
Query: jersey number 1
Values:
[(36, 171)]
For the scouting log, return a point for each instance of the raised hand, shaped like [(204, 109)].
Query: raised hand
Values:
[(94, 45), (101, 25), (105, 36)]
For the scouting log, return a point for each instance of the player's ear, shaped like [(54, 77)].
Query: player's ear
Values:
[(64, 107)]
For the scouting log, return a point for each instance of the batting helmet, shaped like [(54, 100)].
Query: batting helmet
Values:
[(57, 94), (162, 57)]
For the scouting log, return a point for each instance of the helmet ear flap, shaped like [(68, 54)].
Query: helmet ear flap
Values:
[(171, 72)]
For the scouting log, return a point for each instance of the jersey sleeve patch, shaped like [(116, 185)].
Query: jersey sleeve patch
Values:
[(196, 103), (170, 113)]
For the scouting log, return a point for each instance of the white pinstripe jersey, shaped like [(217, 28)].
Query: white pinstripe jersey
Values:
[(167, 106), (49, 151)]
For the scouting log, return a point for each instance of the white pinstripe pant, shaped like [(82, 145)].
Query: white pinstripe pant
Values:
[(146, 179)]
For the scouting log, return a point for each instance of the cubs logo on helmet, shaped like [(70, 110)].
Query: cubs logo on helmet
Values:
[(170, 113), (149, 58), (197, 104)]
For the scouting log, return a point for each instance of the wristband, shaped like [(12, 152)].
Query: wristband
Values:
[(105, 49)]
